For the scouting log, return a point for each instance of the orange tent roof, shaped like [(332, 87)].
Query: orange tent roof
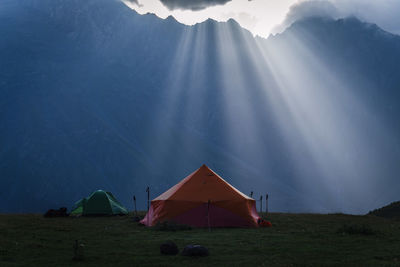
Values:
[(200, 195), (202, 185)]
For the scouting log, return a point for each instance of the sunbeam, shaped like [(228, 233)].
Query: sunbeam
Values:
[(271, 97), (330, 120)]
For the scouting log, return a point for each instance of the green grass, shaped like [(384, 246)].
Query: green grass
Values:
[(294, 240)]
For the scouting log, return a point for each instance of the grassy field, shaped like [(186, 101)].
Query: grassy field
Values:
[(294, 240)]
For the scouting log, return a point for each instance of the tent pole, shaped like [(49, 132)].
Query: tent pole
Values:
[(148, 204), (261, 204), (148, 198), (134, 201), (266, 204)]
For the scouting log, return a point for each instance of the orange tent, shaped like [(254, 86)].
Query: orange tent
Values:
[(203, 199)]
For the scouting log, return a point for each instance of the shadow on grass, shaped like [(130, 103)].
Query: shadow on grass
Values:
[(171, 226)]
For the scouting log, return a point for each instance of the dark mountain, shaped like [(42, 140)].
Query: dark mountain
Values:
[(97, 96), (391, 211)]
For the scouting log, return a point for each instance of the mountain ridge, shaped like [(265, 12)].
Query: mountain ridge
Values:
[(103, 100)]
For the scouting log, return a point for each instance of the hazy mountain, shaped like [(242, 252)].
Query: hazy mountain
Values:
[(97, 96)]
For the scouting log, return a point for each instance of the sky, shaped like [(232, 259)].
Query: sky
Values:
[(263, 17)]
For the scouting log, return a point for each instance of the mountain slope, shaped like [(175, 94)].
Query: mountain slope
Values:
[(97, 96)]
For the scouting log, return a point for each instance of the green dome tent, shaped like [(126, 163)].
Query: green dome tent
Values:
[(99, 203)]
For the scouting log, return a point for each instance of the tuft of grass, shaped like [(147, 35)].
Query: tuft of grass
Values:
[(356, 229), (171, 226)]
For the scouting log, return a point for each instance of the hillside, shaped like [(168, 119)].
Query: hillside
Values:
[(391, 211), (294, 239), (96, 96)]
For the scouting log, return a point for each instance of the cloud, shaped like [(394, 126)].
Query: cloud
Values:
[(260, 16), (192, 4), (306, 9), (135, 2), (384, 13)]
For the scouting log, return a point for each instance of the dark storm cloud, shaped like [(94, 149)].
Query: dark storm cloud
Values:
[(192, 4)]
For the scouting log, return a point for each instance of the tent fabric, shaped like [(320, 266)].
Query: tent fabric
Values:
[(203, 199), (99, 203)]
